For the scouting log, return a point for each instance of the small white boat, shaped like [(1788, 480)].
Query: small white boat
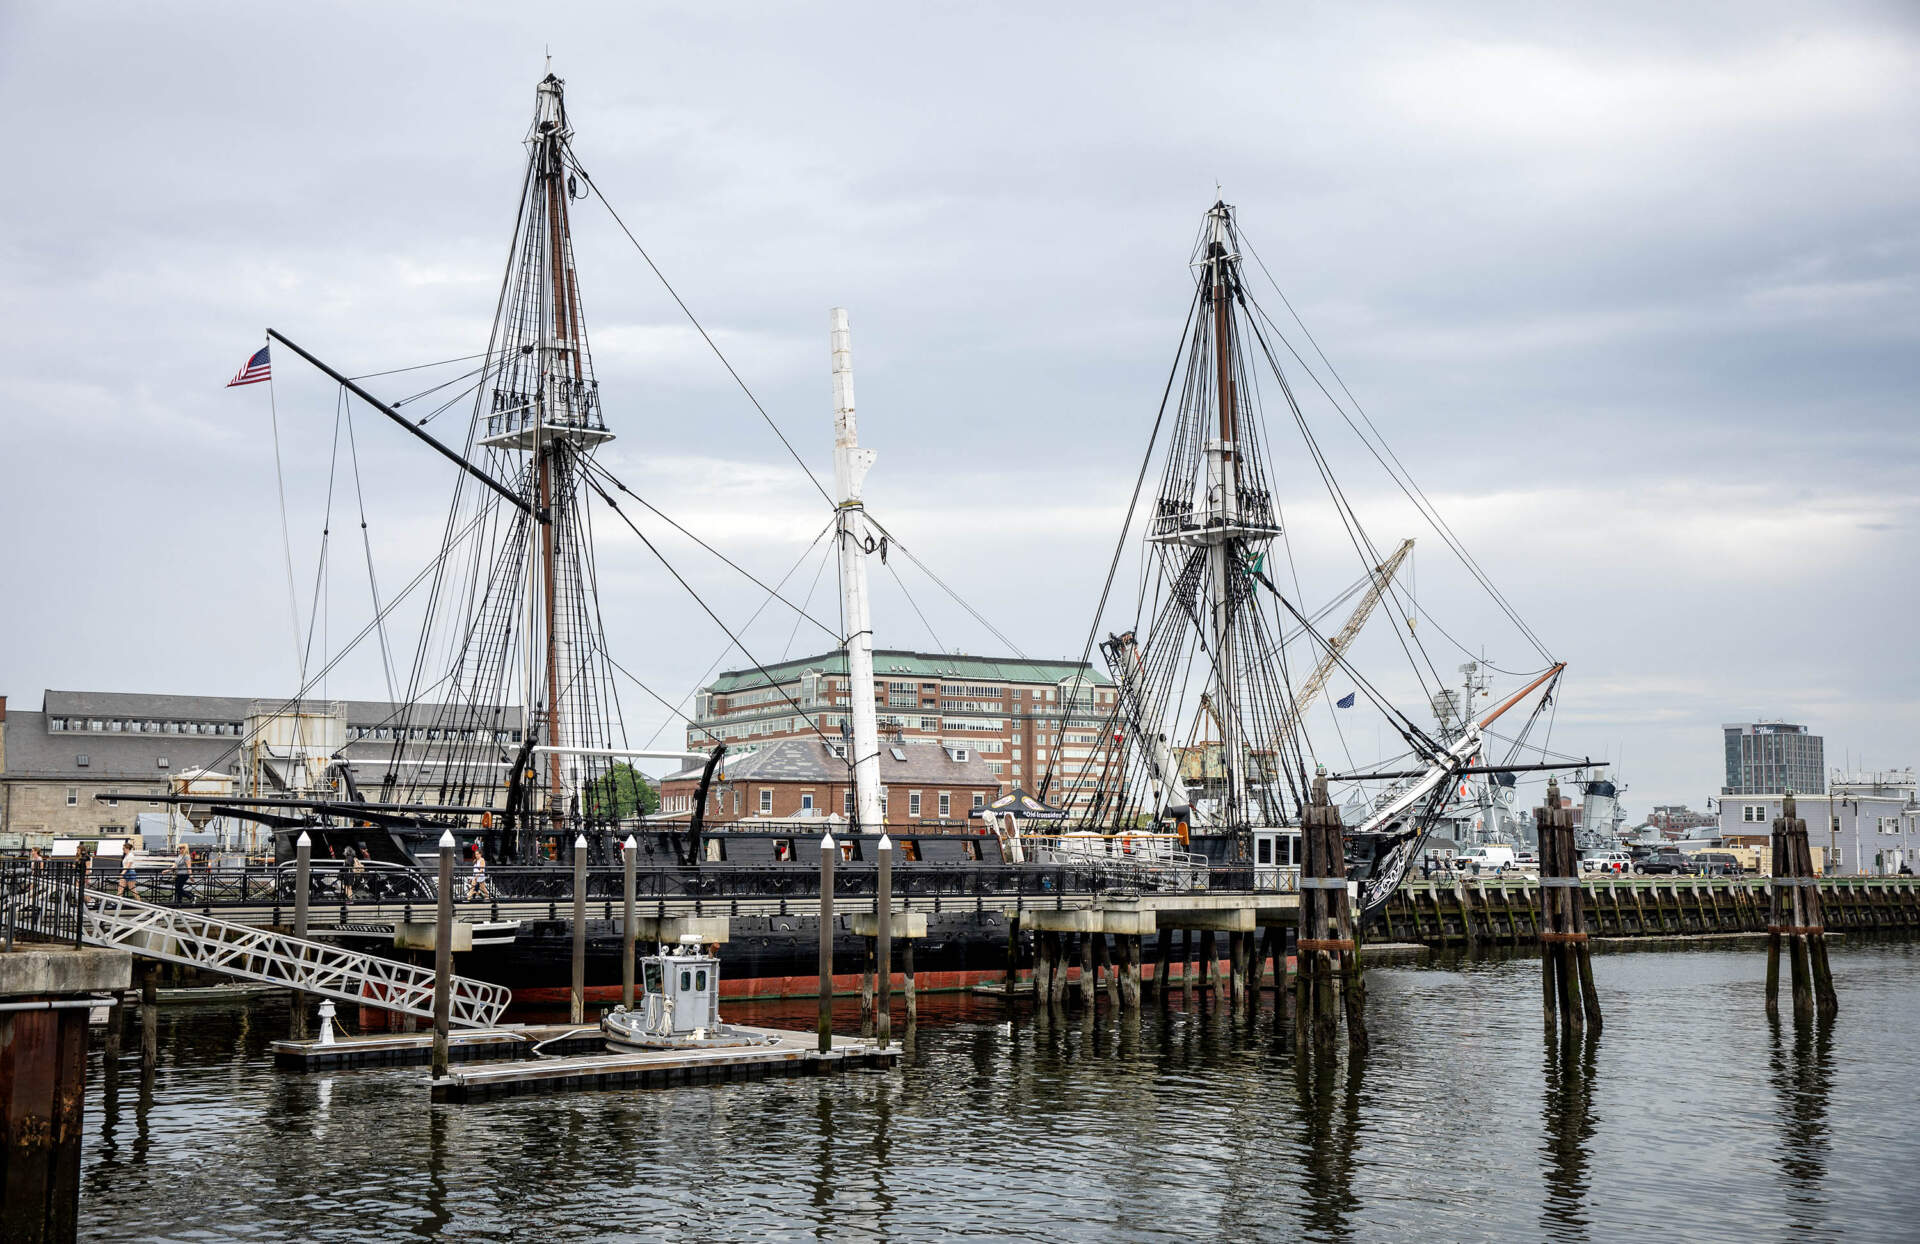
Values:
[(678, 1008)]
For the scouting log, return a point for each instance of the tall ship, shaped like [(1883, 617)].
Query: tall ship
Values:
[(1203, 759), (1221, 647)]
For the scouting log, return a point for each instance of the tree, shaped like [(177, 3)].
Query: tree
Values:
[(620, 793)]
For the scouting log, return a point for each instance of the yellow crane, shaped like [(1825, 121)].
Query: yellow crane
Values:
[(1316, 681)]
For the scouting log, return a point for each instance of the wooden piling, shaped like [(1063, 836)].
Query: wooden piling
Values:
[(1087, 982), (1209, 966), (1186, 968), (913, 995), (1327, 938), (1163, 963), (1127, 945), (866, 984), (577, 996), (302, 892), (150, 1016), (628, 930), (1566, 963), (443, 957), (827, 851), (1103, 959), (883, 930)]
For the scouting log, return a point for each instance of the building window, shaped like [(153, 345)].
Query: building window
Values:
[(902, 695), (846, 804), (946, 805), (913, 803), (73, 796), (1754, 812), (979, 800), (766, 800), (736, 803), (81, 760), (161, 761), (114, 803)]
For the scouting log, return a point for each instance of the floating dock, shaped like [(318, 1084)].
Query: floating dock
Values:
[(402, 1049), (785, 1054)]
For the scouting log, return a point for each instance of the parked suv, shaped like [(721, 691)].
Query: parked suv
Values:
[(1608, 863), (1716, 864), (1662, 863)]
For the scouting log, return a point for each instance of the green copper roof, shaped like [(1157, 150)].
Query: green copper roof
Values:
[(896, 663)]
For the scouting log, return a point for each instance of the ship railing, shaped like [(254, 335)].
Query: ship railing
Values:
[(383, 890), (1140, 861)]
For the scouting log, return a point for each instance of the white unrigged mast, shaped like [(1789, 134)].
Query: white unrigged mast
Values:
[(850, 466)]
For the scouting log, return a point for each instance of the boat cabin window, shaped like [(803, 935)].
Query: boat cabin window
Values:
[(850, 850), (700, 981), (654, 978), (686, 979), (909, 848), (716, 851)]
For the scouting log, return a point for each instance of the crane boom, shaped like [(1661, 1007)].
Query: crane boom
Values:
[(1382, 575)]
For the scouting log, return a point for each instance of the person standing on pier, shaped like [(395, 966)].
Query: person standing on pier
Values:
[(182, 867), (477, 882)]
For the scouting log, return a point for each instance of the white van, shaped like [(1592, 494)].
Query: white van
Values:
[(1488, 859)]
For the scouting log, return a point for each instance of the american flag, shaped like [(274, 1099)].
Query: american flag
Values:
[(256, 370)]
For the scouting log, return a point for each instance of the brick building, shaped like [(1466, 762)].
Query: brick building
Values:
[(82, 743), (1009, 712), (923, 785)]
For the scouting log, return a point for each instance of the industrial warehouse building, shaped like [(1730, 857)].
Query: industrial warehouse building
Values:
[(79, 744)]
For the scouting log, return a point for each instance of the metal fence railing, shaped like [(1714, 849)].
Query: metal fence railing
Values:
[(41, 900)]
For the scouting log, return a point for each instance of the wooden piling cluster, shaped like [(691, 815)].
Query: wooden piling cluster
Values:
[(1326, 928), (1795, 920), (1566, 960)]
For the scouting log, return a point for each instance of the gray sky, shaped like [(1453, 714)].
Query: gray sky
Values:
[(1632, 294)]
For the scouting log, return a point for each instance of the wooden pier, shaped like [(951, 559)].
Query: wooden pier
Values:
[(1507, 911)]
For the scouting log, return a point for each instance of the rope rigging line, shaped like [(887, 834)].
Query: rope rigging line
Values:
[(1398, 471), (595, 468), (894, 543), (751, 619), (1120, 545), (573, 161), (366, 542), (613, 505)]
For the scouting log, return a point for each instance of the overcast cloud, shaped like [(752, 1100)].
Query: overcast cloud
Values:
[(1636, 295)]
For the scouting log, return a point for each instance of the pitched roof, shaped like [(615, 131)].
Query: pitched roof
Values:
[(808, 760), (889, 662)]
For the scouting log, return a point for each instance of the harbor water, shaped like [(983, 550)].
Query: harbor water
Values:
[(1693, 1117)]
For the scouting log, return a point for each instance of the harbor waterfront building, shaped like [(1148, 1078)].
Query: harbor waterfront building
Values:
[(924, 785), (1765, 756), (1866, 824), (1011, 713), (83, 743)]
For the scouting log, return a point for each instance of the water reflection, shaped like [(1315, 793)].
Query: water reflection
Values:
[(439, 1211), (1802, 1077), (1329, 1104), (1567, 1112)]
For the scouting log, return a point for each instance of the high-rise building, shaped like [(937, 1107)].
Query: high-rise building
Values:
[(1770, 757)]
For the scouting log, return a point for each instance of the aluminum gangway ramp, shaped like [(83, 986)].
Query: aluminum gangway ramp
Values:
[(258, 954)]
